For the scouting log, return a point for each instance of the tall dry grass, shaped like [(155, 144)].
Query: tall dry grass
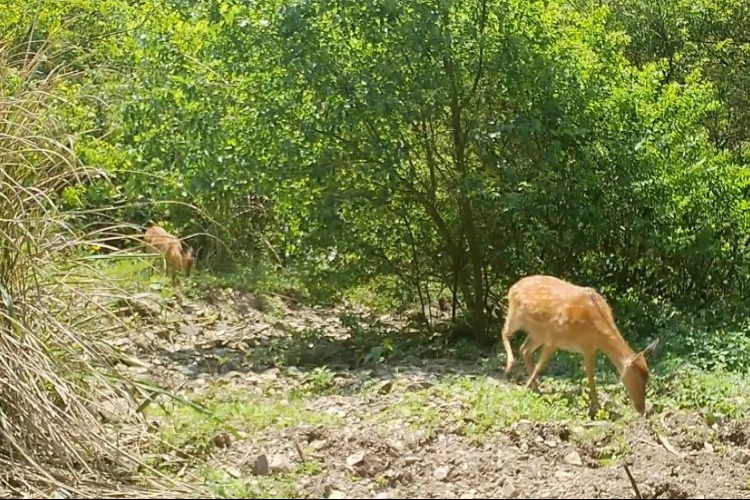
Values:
[(53, 368)]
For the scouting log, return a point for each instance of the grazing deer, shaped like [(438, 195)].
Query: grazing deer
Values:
[(560, 315), (159, 241)]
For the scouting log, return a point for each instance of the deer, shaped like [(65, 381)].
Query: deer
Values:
[(557, 314), (160, 241)]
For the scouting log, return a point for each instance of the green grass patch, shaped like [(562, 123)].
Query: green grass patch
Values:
[(609, 441), (130, 272), (231, 411), (223, 485), (714, 392), (319, 381), (255, 279), (477, 406)]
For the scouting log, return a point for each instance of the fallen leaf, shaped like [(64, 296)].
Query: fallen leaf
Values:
[(385, 387), (233, 472)]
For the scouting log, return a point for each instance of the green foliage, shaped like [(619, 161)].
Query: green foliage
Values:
[(720, 350), (708, 35), (420, 151)]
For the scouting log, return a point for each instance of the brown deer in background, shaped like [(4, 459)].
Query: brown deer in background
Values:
[(175, 257)]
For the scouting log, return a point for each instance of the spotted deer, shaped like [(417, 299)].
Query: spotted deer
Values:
[(175, 257), (557, 314)]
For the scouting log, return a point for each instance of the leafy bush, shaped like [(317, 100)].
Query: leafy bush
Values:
[(427, 151)]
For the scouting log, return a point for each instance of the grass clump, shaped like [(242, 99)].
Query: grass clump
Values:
[(225, 486), (53, 367), (477, 406), (234, 411)]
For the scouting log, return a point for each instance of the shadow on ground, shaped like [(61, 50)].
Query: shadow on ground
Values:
[(235, 332)]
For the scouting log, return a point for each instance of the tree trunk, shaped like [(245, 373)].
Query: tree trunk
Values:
[(475, 299)]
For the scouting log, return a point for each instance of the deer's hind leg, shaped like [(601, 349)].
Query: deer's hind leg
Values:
[(547, 352), (511, 326), (527, 352)]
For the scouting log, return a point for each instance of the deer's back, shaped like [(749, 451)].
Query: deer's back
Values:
[(559, 313), (157, 239)]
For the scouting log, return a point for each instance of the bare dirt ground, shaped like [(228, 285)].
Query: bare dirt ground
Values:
[(529, 461), (301, 409)]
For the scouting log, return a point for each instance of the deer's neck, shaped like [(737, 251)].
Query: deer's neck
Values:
[(618, 351)]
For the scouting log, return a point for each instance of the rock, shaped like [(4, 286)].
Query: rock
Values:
[(708, 447), (112, 410), (499, 482), (318, 444), (355, 459), (172, 317), (383, 494), (227, 368), (522, 457), (741, 457), (261, 467), (509, 491), (524, 447), (222, 440), (336, 494), (280, 463), (551, 443), (573, 458), (397, 446), (441, 473), (411, 460), (339, 412)]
